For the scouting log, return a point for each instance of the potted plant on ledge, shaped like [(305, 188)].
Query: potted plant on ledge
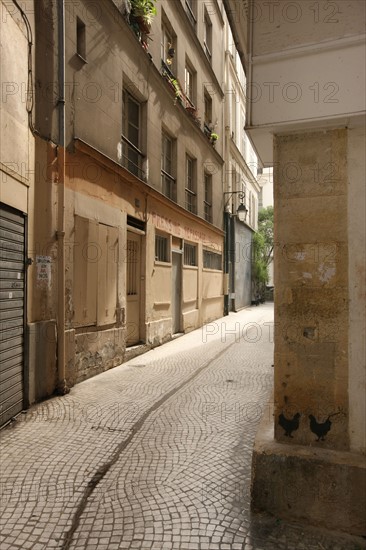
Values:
[(143, 12), (213, 138)]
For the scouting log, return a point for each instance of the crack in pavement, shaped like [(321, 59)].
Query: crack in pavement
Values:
[(102, 471)]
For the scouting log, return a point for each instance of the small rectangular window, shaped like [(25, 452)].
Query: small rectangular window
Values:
[(207, 203), (190, 254), (191, 12), (207, 38), (207, 122), (132, 156), (168, 47), (189, 87), (162, 251), (80, 38), (212, 260), (168, 181), (191, 195)]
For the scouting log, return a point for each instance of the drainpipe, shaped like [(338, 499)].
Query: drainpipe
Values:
[(61, 382), (227, 262), (250, 66)]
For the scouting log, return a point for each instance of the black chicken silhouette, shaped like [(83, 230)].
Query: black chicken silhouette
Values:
[(289, 425), (321, 429)]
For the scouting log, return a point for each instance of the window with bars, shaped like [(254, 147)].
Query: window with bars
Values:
[(162, 249), (212, 260), (132, 268), (131, 134), (190, 254), (191, 195), (207, 203), (168, 182)]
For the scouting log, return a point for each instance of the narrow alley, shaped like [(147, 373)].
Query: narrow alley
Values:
[(154, 454)]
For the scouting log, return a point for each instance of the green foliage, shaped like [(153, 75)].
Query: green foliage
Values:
[(262, 250), (144, 8)]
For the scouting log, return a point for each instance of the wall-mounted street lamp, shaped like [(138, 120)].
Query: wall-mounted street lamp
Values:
[(242, 210)]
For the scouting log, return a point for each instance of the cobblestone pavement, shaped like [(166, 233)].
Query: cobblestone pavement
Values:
[(154, 454)]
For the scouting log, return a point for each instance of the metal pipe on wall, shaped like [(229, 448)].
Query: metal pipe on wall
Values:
[(61, 385)]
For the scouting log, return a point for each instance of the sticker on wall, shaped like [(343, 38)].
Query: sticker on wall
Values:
[(43, 271)]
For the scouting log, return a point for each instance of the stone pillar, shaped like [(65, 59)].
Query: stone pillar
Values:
[(311, 289), (311, 466)]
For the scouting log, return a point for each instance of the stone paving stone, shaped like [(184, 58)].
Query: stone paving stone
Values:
[(183, 481)]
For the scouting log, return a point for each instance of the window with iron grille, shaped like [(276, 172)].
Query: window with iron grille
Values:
[(191, 196), (131, 134), (168, 182), (212, 260), (190, 254), (162, 250), (207, 203)]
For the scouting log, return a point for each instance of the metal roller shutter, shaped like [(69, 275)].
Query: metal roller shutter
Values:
[(12, 293)]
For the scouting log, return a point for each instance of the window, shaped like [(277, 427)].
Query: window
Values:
[(189, 84), (233, 101), (162, 252), (191, 197), (131, 155), (207, 37), (191, 12), (253, 210), (80, 38), (168, 182), (212, 260), (207, 124), (167, 47), (190, 254), (207, 203)]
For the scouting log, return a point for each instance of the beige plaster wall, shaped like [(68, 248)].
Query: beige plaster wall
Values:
[(311, 285), (116, 61), (357, 295)]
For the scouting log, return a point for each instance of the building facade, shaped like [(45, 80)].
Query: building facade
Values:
[(17, 189), (240, 183), (120, 172)]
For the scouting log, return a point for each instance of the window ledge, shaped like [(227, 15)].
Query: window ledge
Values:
[(81, 58), (162, 264)]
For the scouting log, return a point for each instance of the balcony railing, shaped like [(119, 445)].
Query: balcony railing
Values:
[(207, 51), (132, 158), (191, 201), (208, 211), (168, 185)]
